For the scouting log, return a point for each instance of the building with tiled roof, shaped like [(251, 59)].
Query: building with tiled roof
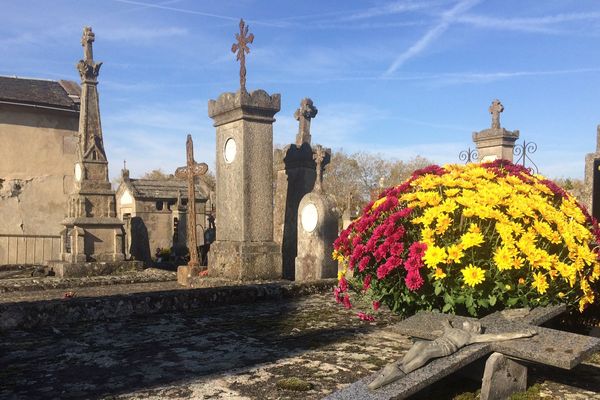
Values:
[(39, 122), (154, 213)]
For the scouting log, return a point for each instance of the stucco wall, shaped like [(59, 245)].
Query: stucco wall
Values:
[(37, 154)]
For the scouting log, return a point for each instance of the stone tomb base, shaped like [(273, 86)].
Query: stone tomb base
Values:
[(245, 261), (65, 269)]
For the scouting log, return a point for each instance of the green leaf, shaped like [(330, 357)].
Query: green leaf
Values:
[(492, 300), (469, 301), (448, 299), (483, 303), (447, 307), (512, 301), (460, 299), (438, 290), (472, 311)]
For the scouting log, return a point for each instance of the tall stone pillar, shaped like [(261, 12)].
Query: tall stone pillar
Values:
[(244, 248), (592, 179), (496, 142), (92, 206), (296, 173)]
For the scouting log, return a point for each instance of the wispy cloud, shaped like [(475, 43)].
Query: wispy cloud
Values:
[(137, 34), (397, 7), (542, 24), (446, 19)]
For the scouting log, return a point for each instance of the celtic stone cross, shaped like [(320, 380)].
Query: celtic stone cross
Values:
[(241, 48), (304, 114), (190, 172), (495, 109)]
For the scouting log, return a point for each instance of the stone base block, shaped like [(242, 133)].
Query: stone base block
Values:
[(502, 378), (64, 269), (186, 274), (310, 268), (245, 261)]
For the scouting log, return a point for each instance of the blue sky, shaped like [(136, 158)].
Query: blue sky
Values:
[(400, 78)]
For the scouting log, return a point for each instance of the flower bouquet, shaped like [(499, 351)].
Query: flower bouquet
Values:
[(470, 239)]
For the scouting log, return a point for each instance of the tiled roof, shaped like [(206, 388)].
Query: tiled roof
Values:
[(57, 94), (164, 189)]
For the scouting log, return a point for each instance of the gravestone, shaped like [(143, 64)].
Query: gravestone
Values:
[(189, 173), (244, 248), (592, 179), (549, 347), (296, 174), (92, 233), (317, 228), (496, 142)]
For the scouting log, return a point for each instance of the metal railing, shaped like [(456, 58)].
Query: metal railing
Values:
[(28, 249)]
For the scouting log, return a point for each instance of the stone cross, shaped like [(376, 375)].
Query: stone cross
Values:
[(190, 172), (241, 48), (495, 109), (304, 114), (550, 347), (88, 70), (598, 139), (319, 155)]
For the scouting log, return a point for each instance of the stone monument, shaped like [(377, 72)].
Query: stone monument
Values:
[(317, 228), (496, 142), (296, 175), (592, 179), (189, 173), (92, 233), (244, 248)]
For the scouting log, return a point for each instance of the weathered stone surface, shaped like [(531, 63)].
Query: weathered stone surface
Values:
[(64, 269), (592, 179), (25, 284), (502, 378), (30, 312), (244, 247), (496, 142)]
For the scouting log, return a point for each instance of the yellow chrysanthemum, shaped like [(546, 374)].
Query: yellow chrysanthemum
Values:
[(540, 283), (433, 256), (455, 253), (439, 274), (473, 239), (503, 257), (473, 275)]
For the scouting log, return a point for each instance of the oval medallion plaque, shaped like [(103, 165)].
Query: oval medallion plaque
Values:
[(309, 217), (78, 172), (230, 150)]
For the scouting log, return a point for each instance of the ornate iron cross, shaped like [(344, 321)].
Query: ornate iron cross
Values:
[(241, 48), (189, 172), (304, 114), (495, 109)]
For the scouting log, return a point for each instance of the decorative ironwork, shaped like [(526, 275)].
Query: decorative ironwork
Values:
[(468, 156), (189, 172), (241, 48), (522, 151)]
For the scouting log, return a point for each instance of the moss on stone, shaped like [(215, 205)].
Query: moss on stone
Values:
[(532, 393), (295, 384)]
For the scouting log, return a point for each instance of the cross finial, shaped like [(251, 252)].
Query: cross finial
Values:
[(304, 114), (124, 164), (86, 41), (241, 48), (319, 155), (495, 109), (88, 70)]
